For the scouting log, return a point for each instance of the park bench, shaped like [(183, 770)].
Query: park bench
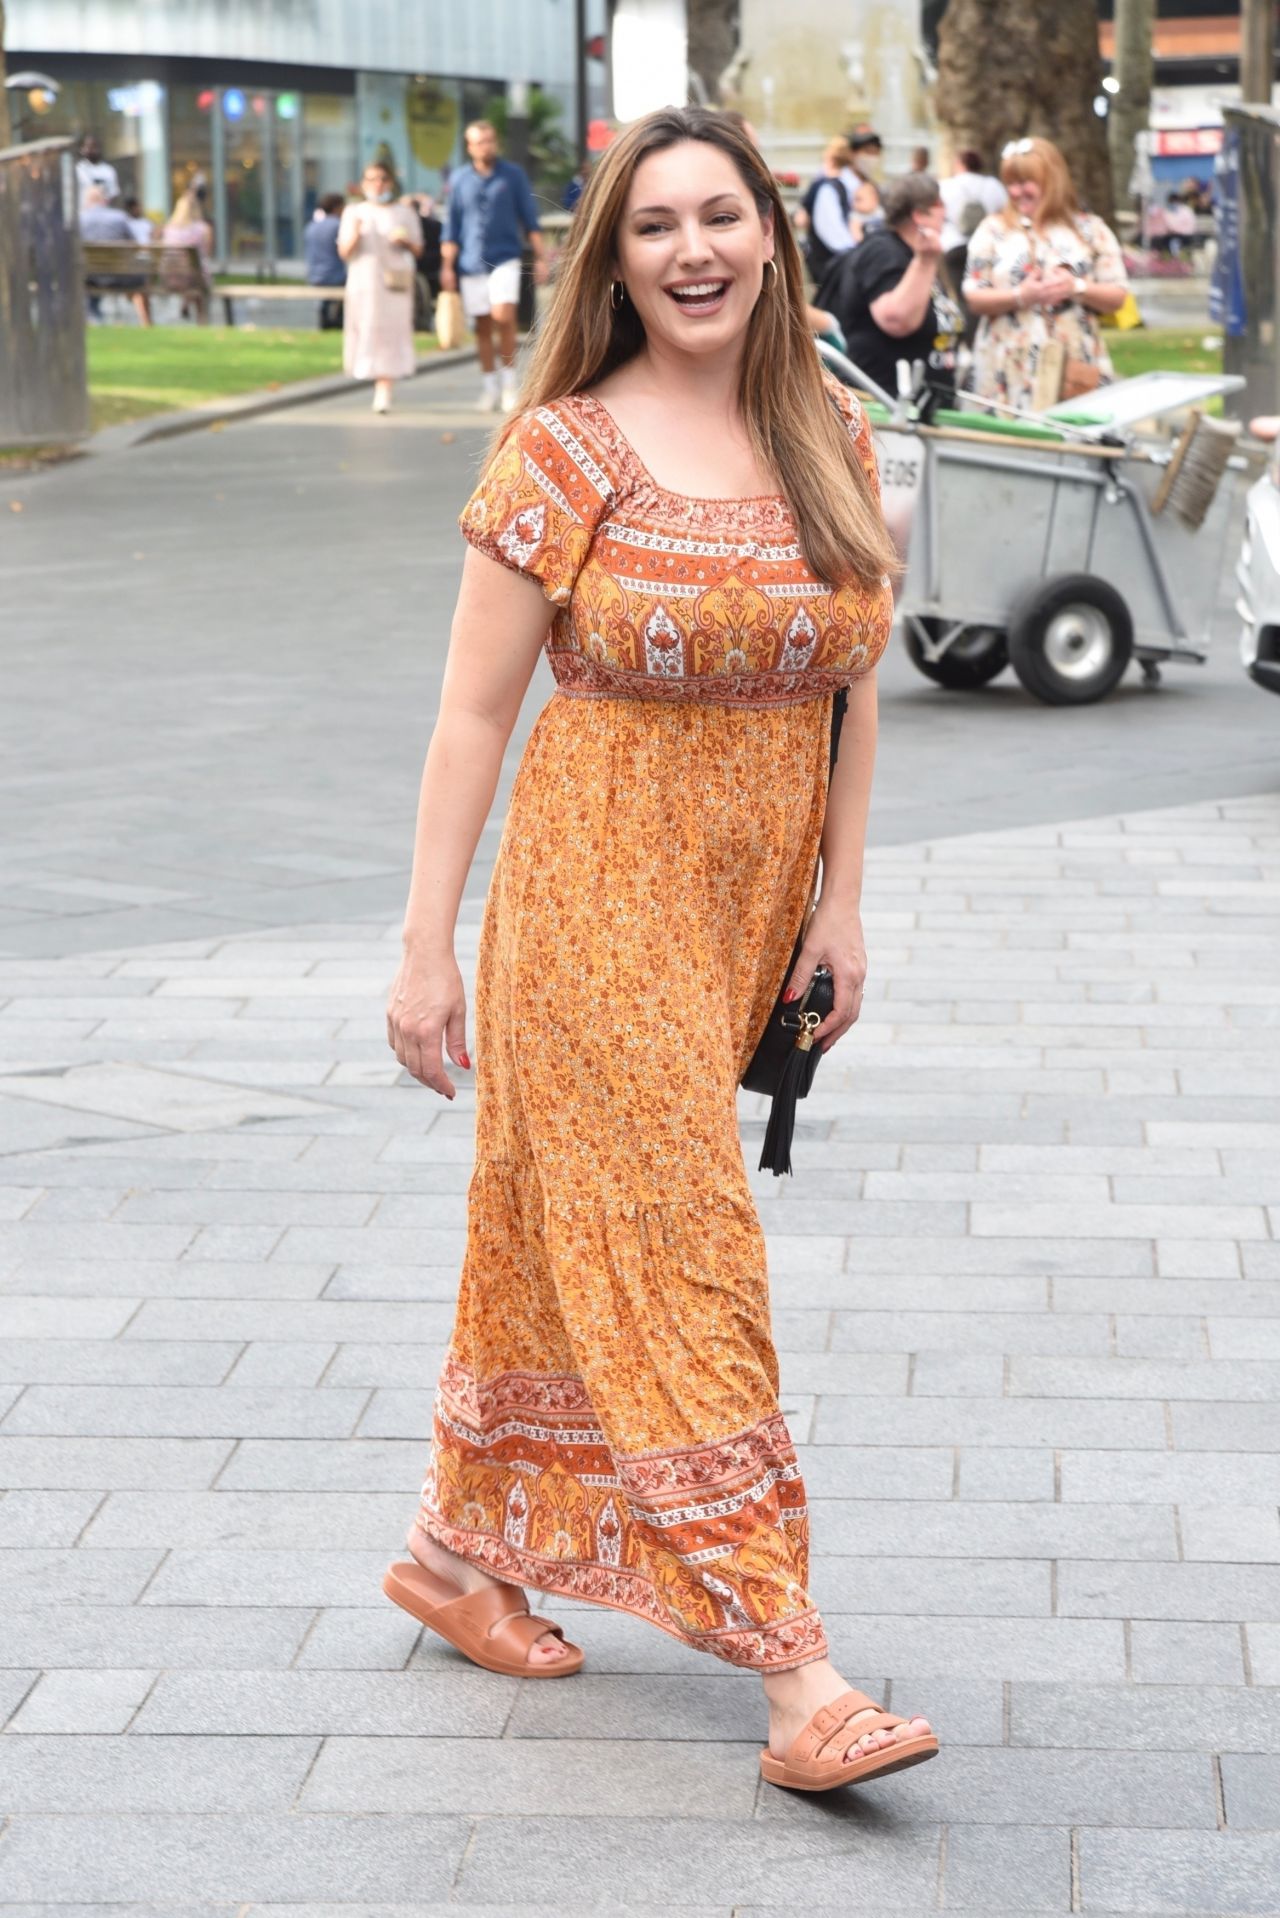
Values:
[(273, 290), (156, 267)]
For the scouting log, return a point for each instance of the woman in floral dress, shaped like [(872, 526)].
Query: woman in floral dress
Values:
[(1039, 270), (687, 517)]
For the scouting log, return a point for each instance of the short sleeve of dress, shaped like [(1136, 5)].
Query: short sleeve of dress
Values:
[(541, 499), (854, 414), (1104, 249), (984, 252)]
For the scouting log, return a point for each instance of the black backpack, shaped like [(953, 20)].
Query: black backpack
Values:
[(818, 255)]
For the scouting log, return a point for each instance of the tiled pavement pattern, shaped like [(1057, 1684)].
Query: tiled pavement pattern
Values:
[(1026, 1298)]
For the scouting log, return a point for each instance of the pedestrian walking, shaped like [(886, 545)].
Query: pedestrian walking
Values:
[(890, 295), (686, 515), (93, 171), (325, 265), (1039, 274), (967, 198), (491, 213), (827, 205), (379, 242)]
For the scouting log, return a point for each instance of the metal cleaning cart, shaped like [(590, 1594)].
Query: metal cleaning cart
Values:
[(1064, 546)]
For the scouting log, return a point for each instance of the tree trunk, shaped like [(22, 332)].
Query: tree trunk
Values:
[(1007, 68), (1131, 107), (6, 128), (713, 41)]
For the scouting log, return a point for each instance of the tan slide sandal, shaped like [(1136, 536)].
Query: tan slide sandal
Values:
[(816, 1760), (493, 1627)]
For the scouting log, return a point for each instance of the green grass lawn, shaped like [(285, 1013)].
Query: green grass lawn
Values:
[(137, 370), (1147, 349)]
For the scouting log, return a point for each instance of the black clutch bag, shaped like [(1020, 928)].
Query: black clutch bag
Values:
[(785, 1060)]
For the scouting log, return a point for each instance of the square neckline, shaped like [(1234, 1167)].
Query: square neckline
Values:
[(639, 470)]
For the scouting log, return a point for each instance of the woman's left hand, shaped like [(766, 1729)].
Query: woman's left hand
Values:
[(834, 939)]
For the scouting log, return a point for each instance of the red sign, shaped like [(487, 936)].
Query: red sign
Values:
[(1186, 141)]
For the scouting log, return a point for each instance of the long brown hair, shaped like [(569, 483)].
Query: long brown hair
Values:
[(1040, 160), (795, 432)]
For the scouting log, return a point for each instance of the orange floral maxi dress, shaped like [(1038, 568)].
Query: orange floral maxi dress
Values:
[(607, 1422)]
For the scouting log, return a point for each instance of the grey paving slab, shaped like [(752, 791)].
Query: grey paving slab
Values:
[(230, 1856), (1251, 1790), (528, 1778), (994, 1530), (14, 1686), (1181, 1591), (30, 1577), (190, 1637), (344, 1639), (354, 1465), (1025, 1870), (231, 1576), (679, 1861), (40, 1774), (114, 1362), (1190, 1478), (271, 1522), (1146, 1716), (96, 1464), (466, 1702), (1186, 1652), (80, 1702), (38, 1518), (1172, 1791), (1177, 1872), (844, 1421), (223, 1279), (108, 1411)]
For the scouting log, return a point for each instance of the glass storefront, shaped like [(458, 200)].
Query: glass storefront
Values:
[(263, 155)]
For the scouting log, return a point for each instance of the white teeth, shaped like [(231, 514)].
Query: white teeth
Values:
[(704, 292)]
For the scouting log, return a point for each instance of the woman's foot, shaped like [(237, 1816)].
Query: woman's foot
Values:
[(795, 1696), (547, 1650)]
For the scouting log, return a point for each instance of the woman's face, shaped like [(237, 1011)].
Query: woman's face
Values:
[(691, 248), (375, 185), (1026, 196)]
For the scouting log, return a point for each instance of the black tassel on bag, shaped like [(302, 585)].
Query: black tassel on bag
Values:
[(786, 1058), (794, 1082)]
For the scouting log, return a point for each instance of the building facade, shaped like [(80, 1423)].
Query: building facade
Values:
[(269, 103)]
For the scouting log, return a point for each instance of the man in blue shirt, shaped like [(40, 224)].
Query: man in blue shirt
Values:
[(491, 213), (325, 265)]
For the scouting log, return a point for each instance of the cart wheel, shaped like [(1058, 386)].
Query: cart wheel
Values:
[(1070, 639), (975, 657)]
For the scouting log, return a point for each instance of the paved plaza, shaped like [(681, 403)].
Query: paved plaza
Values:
[(1026, 1281)]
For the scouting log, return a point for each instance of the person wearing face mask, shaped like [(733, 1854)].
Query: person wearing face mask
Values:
[(685, 515), (1040, 271), (891, 295), (379, 240)]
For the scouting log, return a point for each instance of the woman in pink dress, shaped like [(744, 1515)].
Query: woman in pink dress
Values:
[(379, 239)]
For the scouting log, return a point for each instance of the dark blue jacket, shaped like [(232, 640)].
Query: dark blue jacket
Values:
[(320, 250)]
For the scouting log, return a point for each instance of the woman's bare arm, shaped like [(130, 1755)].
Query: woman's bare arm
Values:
[(499, 626), (835, 937)]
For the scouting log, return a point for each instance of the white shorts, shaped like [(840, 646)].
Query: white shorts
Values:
[(481, 292)]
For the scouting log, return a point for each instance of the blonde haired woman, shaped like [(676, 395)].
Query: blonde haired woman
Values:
[(1040, 270), (687, 517)]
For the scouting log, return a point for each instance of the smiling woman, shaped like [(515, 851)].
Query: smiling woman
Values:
[(688, 520)]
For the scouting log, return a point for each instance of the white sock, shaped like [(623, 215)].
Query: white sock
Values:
[(491, 382)]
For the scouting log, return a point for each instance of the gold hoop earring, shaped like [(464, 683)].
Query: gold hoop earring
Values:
[(616, 287), (774, 280)]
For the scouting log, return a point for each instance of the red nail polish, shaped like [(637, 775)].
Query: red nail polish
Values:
[(789, 995), (464, 1062)]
